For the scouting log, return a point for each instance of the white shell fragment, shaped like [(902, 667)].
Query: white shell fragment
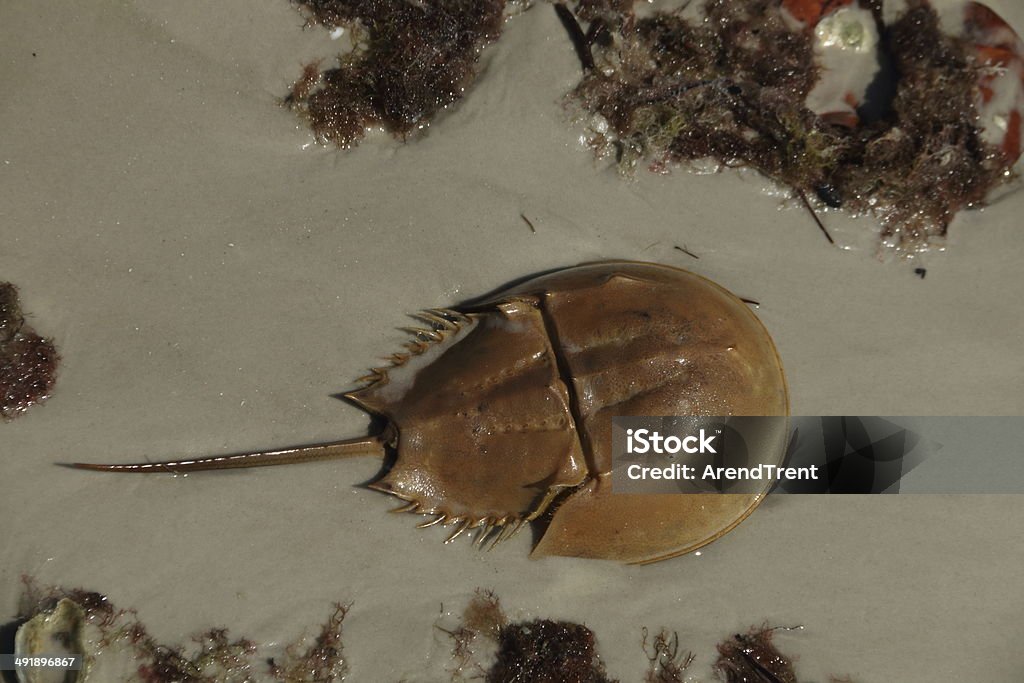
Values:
[(55, 633)]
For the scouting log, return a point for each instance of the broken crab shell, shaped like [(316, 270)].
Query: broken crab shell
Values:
[(500, 412)]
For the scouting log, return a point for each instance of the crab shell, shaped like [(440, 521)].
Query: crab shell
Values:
[(501, 413)]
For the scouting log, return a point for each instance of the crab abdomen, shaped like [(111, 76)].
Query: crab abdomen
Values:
[(485, 436)]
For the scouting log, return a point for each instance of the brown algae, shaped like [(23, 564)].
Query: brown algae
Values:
[(410, 60), (663, 89), (28, 362), (733, 87), (99, 627), (752, 658), (547, 651), (535, 650)]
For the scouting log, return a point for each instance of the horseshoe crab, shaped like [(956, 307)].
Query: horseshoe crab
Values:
[(499, 413)]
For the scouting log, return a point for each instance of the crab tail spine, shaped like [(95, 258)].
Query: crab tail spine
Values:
[(351, 448)]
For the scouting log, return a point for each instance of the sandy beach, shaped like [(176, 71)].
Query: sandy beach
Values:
[(213, 278)]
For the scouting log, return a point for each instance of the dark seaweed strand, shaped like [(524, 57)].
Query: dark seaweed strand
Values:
[(412, 59), (580, 40), (814, 215)]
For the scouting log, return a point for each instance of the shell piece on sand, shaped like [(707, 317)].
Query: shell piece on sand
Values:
[(54, 633)]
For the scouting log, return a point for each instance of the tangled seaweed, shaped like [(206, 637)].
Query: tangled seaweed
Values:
[(664, 89), (213, 657), (733, 88), (322, 662), (527, 651), (537, 650), (546, 651), (410, 60), (667, 663), (28, 362)]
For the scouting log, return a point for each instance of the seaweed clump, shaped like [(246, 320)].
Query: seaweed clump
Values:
[(28, 362), (537, 650), (752, 658), (217, 660), (917, 169), (667, 664), (733, 88), (409, 61), (545, 651), (322, 662), (213, 657)]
